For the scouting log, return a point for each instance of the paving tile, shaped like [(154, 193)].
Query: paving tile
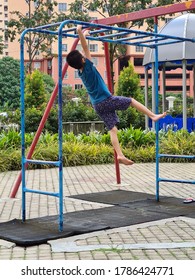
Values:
[(99, 178)]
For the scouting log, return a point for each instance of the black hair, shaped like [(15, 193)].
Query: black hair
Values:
[(75, 59)]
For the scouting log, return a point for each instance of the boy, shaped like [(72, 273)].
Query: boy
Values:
[(104, 103)]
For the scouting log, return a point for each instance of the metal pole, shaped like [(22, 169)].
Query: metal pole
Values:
[(146, 97), (163, 88), (22, 106), (153, 91), (156, 111), (194, 90), (60, 128), (184, 94)]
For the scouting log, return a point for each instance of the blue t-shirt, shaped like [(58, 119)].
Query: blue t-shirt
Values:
[(94, 83)]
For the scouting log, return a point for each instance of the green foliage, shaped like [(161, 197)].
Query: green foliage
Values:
[(10, 139), (71, 112), (135, 137), (131, 117), (82, 94), (93, 154), (141, 154), (129, 83), (77, 113), (32, 119), (51, 124), (179, 143), (95, 148), (9, 83), (35, 94), (10, 160), (48, 83)]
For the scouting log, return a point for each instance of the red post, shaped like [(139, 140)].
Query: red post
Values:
[(110, 87)]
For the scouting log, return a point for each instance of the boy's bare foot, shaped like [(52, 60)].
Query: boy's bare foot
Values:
[(155, 118), (125, 161)]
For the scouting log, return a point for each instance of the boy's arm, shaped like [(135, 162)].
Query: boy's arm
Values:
[(83, 41)]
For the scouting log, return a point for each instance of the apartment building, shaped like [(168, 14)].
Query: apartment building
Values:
[(48, 65)]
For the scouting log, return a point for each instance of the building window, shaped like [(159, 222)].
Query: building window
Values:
[(49, 64), (63, 61), (142, 76), (93, 18), (66, 75), (76, 74), (138, 61), (167, 19), (36, 4), (37, 65), (62, 7), (64, 47), (139, 49), (93, 48), (78, 86), (6, 38), (95, 61), (176, 76), (66, 85), (79, 48), (176, 88)]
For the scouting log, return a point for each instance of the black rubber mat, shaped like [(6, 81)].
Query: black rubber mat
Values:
[(115, 197), (39, 230), (172, 206), (129, 208)]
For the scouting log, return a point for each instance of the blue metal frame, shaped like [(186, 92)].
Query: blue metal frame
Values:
[(156, 111), (140, 38)]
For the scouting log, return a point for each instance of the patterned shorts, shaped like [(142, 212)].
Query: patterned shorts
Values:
[(108, 107)]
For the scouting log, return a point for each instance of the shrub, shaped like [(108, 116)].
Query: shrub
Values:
[(95, 148), (128, 83), (35, 93)]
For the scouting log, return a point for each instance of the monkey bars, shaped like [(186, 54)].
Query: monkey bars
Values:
[(98, 32)]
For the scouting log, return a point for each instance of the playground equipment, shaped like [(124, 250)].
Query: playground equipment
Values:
[(106, 34), (180, 56)]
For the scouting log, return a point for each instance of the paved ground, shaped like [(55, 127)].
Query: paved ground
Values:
[(170, 239)]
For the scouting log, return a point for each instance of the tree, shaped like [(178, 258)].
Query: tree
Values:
[(35, 93), (129, 83), (40, 12), (48, 83), (9, 83)]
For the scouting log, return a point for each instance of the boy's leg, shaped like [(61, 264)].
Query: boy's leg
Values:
[(114, 139), (143, 109)]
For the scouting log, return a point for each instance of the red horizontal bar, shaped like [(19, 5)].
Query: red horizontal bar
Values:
[(148, 13)]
